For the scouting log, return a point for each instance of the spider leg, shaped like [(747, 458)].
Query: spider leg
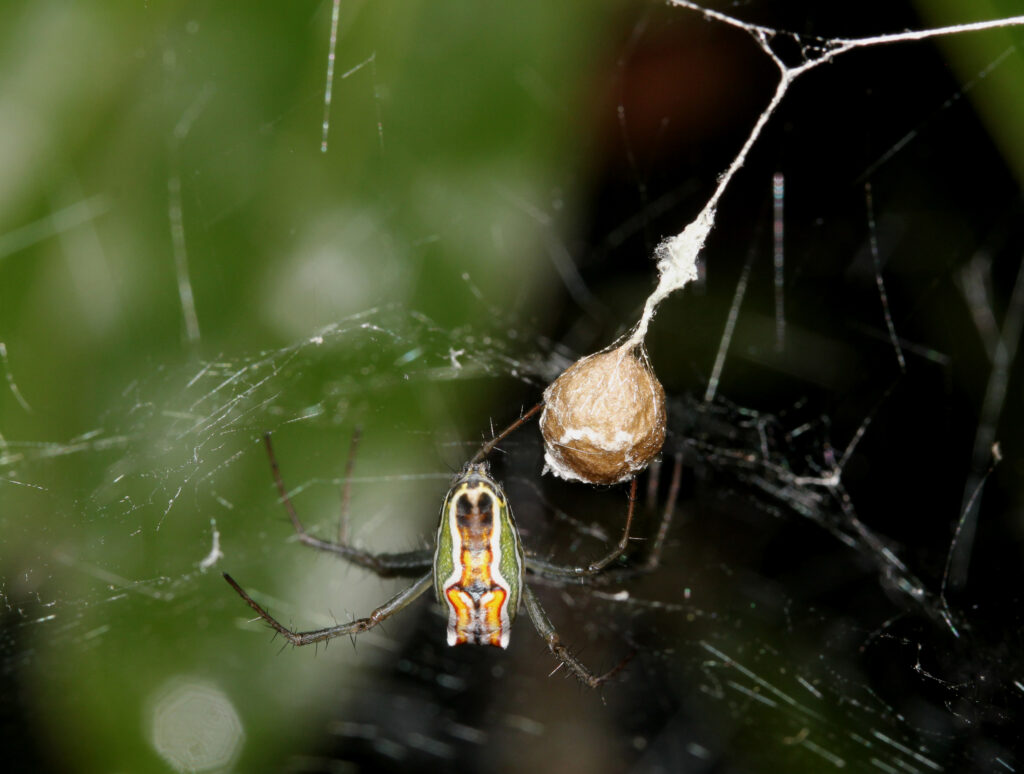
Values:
[(488, 447), (547, 632), (543, 567), (666, 519), (401, 600), (407, 564)]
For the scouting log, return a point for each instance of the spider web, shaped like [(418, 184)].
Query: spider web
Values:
[(838, 587)]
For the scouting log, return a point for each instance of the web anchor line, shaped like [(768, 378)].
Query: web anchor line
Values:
[(677, 256)]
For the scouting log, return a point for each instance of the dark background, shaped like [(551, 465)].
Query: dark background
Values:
[(495, 184)]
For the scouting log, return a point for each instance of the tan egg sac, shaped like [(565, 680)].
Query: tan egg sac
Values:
[(604, 418)]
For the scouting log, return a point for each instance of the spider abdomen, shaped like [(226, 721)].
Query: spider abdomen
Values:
[(478, 565)]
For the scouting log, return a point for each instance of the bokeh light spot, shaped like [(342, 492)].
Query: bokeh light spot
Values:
[(194, 726)]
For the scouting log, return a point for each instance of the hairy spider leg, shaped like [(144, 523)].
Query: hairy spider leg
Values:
[(546, 630), (488, 447), (401, 600), (405, 564), (543, 567)]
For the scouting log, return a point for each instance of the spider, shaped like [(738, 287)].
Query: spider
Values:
[(476, 569)]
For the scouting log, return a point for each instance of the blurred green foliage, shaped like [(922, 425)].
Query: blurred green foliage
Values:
[(461, 121)]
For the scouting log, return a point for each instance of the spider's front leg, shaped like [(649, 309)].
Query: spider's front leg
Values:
[(547, 632), (407, 564), (488, 447), (401, 600)]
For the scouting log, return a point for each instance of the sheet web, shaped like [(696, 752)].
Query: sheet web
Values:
[(795, 621)]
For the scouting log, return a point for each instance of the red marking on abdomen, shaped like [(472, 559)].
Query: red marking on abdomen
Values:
[(476, 599)]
